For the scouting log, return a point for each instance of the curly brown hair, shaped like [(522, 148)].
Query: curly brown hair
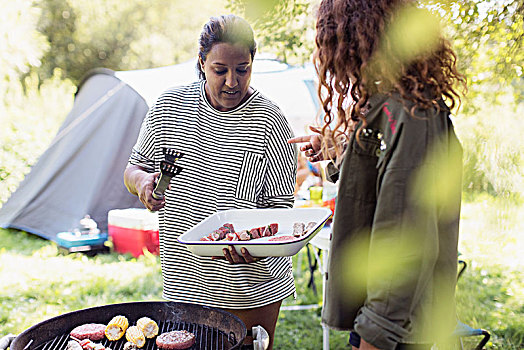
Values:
[(356, 58)]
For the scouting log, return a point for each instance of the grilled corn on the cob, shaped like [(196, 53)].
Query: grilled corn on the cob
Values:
[(117, 327), (147, 326), (135, 335)]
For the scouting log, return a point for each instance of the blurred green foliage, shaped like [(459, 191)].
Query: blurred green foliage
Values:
[(120, 35), (489, 39), (76, 35), (21, 45), (284, 28), (493, 148), (29, 120)]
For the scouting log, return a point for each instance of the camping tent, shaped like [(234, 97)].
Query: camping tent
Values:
[(81, 172)]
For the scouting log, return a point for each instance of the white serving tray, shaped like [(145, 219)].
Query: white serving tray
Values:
[(245, 219)]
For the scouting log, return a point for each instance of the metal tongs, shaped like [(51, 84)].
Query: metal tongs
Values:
[(168, 170), (171, 155)]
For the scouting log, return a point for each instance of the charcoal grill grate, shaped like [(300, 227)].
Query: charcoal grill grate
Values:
[(207, 338)]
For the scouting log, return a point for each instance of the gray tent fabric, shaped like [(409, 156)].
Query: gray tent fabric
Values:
[(81, 172)]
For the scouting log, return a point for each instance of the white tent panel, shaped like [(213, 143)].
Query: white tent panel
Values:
[(291, 88)]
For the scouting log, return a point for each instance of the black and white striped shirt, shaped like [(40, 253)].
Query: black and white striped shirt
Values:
[(234, 159)]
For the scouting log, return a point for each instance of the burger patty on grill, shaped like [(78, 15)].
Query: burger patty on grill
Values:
[(175, 340), (91, 331)]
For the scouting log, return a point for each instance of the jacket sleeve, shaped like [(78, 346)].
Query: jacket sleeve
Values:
[(404, 242), (332, 172), (334, 166)]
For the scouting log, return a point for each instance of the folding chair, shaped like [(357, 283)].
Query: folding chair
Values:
[(463, 330)]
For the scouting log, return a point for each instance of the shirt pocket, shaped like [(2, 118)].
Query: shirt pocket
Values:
[(251, 177), (359, 169), (369, 143)]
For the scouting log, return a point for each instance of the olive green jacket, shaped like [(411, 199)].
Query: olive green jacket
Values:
[(393, 258)]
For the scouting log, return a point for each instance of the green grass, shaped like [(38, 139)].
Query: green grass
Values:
[(490, 293), (39, 281)]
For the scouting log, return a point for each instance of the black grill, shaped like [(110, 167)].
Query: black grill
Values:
[(213, 329), (206, 338)]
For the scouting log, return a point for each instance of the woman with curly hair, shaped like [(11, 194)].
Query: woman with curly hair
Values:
[(387, 86)]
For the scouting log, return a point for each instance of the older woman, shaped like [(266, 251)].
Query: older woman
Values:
[(235, 156)]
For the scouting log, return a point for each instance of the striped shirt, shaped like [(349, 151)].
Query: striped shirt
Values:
[(237, 159)]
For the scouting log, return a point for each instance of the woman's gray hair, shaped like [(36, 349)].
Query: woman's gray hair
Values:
[(230, 29)]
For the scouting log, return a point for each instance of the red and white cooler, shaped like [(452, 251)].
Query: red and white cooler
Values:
[(133, 230)]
